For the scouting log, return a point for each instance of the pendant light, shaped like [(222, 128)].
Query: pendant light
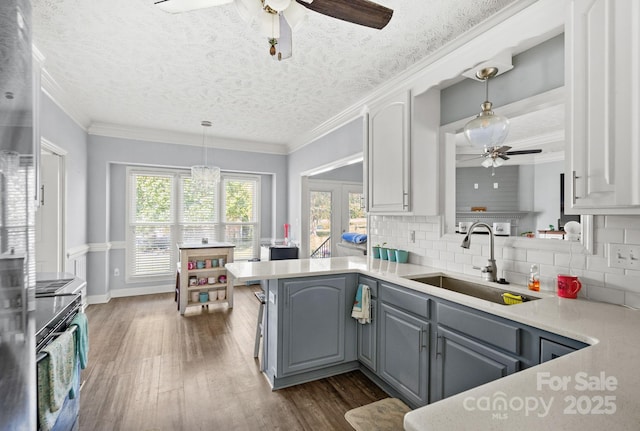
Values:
[(205, 175), (487, 130)]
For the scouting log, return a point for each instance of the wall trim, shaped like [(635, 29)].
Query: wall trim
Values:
[(137, 291), (118, 245), (178, 138), (77, 251), (99, 247), (59, 96), (98, 299)]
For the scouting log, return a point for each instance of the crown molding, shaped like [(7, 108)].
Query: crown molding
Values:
[(407, 78), (59, 96), (178, 138)]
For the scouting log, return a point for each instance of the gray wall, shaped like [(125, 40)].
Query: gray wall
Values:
[(503, 198), (106, 160), (59, 129), (535, 71), (339, 144), (350, 173)]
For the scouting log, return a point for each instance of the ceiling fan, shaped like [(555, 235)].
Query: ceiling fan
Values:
[(277, 18), (494, 156)]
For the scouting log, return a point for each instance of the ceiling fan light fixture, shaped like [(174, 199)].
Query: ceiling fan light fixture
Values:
[(487, 129), (277, 5)]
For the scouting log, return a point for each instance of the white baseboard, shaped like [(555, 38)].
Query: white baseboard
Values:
[(131, 291), (98, 299), (137, 291)]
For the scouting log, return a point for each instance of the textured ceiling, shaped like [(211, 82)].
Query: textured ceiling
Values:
[(125, 62)]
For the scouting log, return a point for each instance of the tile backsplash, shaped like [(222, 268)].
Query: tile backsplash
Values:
[(600, 282)]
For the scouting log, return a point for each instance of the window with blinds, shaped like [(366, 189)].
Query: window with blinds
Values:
[(242, 214), (198, 216), (151, 238), (165, 208)]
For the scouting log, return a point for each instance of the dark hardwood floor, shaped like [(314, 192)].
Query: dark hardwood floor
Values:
[(152, 369)]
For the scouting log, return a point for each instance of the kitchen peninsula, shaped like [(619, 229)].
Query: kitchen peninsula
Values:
[(589, 388)]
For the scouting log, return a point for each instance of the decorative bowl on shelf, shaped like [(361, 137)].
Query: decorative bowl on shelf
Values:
[(222, 279)]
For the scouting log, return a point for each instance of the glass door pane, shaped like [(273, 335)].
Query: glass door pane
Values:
[(320, 223), (357, 219)]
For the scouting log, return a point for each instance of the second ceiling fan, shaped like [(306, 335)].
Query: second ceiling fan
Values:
[(277, 19)]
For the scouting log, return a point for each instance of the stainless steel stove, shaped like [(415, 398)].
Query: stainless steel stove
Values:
[(47, 287), (53, 315)]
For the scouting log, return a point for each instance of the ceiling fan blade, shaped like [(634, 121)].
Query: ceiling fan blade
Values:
[(503, 157), (178, 6), (503, 149), (515, 153), (362, 12)]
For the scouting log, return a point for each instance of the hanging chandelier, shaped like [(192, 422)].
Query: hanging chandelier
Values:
[(205, 175)]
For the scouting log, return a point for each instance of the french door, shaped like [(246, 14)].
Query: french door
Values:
[(333, 208)]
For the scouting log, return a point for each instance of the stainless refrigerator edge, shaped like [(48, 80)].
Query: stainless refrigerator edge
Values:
[(17, 217)]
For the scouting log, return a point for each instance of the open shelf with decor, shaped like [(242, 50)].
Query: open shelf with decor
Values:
[(202, 278)]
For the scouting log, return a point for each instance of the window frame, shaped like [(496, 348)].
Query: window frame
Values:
[(257, 204), (176, 225)]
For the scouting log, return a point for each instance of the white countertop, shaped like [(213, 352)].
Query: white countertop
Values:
[(611, 365)]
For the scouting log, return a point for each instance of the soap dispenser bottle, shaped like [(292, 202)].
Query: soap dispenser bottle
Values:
[(534, 278)]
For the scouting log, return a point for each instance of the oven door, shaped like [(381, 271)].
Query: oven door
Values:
[(68, 416)]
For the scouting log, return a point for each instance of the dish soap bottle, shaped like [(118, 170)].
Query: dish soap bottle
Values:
[(534, 278)]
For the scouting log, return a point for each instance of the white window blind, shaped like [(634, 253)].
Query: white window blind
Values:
[(242, 214), (198, 216), (151, 236)]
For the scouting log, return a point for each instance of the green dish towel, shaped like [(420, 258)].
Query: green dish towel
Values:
[(55, 378), (82, 338)]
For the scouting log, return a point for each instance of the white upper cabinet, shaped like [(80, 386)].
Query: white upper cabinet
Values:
[(388, 154), (402, 154), (603, 128)]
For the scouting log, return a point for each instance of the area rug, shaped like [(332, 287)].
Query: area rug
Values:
[(384, 415)]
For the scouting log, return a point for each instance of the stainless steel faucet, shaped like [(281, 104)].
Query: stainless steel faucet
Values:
[(490, 271)]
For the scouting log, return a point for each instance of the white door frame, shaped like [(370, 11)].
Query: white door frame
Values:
[(304, 195), (51, 148)]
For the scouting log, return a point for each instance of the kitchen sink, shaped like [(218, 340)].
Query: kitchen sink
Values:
[(481, 291)]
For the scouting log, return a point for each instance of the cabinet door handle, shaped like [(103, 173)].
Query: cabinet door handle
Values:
[(574, 195), (438, 338), (423, 336), (371, 311), (405, 200)]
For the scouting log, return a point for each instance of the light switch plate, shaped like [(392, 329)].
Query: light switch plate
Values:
[(624, 256)]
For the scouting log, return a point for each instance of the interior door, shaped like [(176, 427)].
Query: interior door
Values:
[(49, 215)]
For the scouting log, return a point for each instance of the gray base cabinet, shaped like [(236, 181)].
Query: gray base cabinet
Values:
[(418, 347), (463, 363), (309, 333), (315, 323), (368, 333), (367, 343), (404, 353)]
